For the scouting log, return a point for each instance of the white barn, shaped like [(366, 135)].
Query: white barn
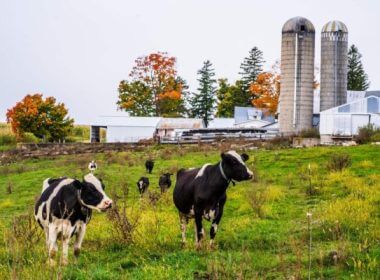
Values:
[(346, 119), (123, 128)]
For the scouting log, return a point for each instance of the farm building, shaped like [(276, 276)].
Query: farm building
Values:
[(172, 127), (345, 120), (123, 128)]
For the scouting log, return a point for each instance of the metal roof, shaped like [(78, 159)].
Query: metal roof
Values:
[(372, 93), (243, 114), (298, 24), (180, 123), (335, 26), (221, 123)]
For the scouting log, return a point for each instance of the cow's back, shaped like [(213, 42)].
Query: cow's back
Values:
[(183, 194)]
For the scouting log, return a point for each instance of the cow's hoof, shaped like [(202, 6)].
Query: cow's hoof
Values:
[(76, 252), (183, 244), (198, 246), (212, 245)]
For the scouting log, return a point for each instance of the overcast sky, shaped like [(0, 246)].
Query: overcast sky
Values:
[(79, 50)]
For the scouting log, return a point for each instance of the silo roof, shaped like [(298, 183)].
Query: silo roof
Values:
[(335, 26), (298, 24)]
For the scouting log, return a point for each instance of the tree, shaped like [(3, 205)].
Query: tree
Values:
[(357, 79), (251, 67), (136, 98), (203, 102), (154, 78), (229, 96), (266, 91), (44, 118)]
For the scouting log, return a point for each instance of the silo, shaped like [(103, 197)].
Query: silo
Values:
[(297, 76), (334, 46)]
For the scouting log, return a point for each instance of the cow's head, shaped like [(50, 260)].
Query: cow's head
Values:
[(234, 166), (92, 193)]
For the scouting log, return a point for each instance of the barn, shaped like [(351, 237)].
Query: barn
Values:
[(345, 120), (123, 128)]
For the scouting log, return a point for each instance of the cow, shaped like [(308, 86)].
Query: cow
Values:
[(65, 208), (149, 164), (165, 182), (143, 184), (201, 192)]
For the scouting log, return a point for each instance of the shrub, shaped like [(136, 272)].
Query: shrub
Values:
[(310, 133), (257, 199), (368, 133), (338, 162)]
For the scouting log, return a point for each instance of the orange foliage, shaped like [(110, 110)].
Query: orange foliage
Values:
[(173, 94), (266, 91)]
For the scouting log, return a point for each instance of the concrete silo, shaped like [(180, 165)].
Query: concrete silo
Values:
[(334, 46), (297, 76)]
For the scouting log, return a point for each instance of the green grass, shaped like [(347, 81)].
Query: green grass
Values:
[(273, 246)]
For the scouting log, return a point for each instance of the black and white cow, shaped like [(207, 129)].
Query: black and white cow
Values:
[(65, 208), (149, 164), (143, 184), (165, 182), (201, 192)]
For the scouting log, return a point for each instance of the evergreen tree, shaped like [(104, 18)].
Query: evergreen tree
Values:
[(251, 67), (357, 79), (203, 102)]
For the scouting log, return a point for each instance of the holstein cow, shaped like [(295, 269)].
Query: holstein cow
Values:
[(143, 184), (65, 208), (201, 192), (165, 182), (149, 164)]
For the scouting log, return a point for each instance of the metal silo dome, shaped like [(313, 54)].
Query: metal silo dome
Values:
[(298, 24), (335, 26)]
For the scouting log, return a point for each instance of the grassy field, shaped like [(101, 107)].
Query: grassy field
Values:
[(8, 140), (264, 232)]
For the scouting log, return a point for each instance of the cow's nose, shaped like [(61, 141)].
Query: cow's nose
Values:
[(108, 203)]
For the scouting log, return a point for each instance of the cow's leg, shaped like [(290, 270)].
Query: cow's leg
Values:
[(78, 242), (65, 249), (216, 221), (183, 220), (52, 243), (199, 231)]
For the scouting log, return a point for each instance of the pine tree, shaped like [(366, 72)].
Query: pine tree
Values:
[(203, 102), (251, 67), (357, 79)]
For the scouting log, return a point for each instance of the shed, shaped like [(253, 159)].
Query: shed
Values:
[(171, 127), (221, 123), (123, 128), (346, 119)]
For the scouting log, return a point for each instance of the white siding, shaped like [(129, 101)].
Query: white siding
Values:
[(358, 121), (129, 134)]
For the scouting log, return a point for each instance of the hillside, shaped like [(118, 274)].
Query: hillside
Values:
[(263, 233)]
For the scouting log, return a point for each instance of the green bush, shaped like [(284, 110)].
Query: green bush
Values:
[(310, 133), (29, 138), (367, 134)]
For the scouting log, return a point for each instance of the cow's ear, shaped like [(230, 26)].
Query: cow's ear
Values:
[(77, 184), (244, 157)]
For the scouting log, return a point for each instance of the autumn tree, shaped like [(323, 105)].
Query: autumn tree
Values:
[(357, 79), (251, 67), (266, 91), (203, 102), (45, 118), (155, 86)]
